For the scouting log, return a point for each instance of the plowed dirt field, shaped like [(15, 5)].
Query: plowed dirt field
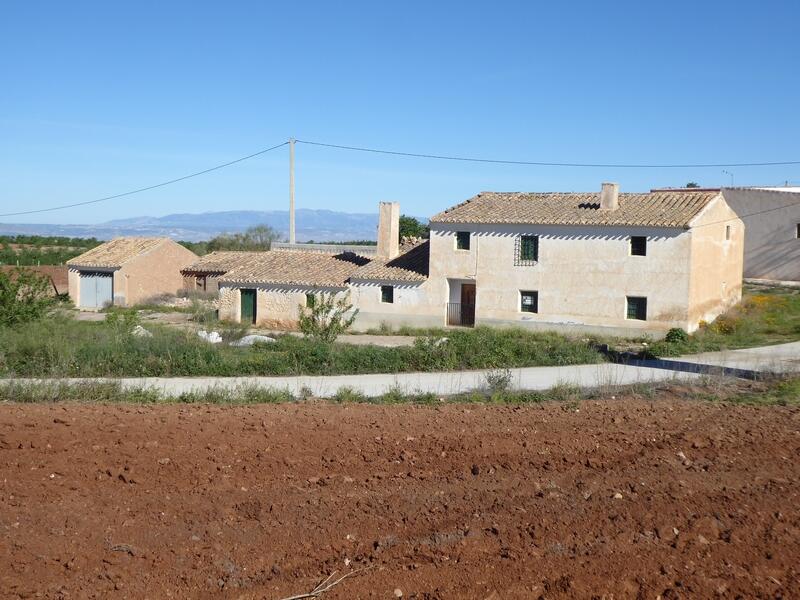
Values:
[(621, 498)]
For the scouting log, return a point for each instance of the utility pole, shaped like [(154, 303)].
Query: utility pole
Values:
[(291, 191)]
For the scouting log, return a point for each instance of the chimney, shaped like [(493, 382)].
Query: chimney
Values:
[(609, 196), (388, 230)]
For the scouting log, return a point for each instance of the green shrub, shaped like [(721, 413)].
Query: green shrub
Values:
[(676, 335), (325, 318), (25, 296)]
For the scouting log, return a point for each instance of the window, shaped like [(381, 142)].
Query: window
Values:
[(638, 245), (310, 300), (637, 308), (529, 302), (727, 232), (527, 250), (797, 232), (462, 240), (387, 294)]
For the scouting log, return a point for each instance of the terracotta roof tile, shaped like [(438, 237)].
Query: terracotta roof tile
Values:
[(291, 267), (410, 265), (654, 209), (221, 261), (116, 252)]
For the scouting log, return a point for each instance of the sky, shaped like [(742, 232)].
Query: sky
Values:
[(98, 98)]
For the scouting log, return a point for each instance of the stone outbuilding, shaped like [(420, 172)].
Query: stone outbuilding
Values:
[(204, 274), (127, 271), (269, 290)]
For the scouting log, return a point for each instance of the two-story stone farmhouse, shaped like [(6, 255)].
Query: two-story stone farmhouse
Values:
[(612, 261), (607, 262)]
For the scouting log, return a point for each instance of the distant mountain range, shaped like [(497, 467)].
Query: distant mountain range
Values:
[(317, 225)]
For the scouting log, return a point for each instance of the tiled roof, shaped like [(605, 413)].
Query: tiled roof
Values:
[(116, 252), (221, 261), (410, 265), (291, 267), (654, 209)]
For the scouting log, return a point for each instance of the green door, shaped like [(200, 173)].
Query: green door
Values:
[(248, 306)]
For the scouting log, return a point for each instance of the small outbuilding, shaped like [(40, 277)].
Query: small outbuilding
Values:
[(127, 271), (204, 274)]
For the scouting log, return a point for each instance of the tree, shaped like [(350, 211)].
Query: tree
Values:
[(412, 227), (692, 184), (259, 237), (324, 316), (25, 295)]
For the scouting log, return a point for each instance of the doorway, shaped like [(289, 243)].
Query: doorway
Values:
[(248, 306)]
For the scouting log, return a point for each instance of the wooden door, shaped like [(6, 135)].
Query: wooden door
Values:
[(248, 306)]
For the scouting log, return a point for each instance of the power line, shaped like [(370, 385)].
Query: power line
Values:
[(144, 189), (551, 164)]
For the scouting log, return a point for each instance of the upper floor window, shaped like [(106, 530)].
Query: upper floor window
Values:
[(727, 232), (527, 250), (636, 308), (387, 294), (638, 245), (462, 240), (310, 300)]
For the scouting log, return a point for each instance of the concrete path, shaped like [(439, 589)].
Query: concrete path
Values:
[(780, 358), (530, 378)]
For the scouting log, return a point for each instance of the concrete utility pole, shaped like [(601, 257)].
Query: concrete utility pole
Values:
[(291, 191)]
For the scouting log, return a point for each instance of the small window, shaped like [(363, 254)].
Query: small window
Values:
[(387, 294), (797, 231), (529, 302), (727, 232), (527, 250), (310, 300), (462, 240), (638, 245), (637, 308)]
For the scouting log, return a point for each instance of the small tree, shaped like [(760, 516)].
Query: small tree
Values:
[(324, 316), (411, 227), (692, 184), (25, 295)]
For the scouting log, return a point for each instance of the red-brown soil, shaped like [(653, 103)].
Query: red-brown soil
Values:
[(618, 499)]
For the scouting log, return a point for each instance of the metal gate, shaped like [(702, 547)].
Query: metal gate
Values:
[(97, 289)]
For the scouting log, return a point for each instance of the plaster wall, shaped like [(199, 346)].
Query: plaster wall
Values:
[(583, 274), (718, 239), (771, 246), (152, 274), (277, 307)]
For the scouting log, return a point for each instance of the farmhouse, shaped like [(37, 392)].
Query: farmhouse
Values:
[(127, 271), (606, 262)]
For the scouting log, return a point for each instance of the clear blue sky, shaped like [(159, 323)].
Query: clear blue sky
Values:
[(100, 97)]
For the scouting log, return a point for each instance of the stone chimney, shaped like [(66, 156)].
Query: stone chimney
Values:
[(609, 196), (388, 230)]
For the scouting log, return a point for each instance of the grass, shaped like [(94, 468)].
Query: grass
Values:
[(777, 392), (62, 347), (765, 316)]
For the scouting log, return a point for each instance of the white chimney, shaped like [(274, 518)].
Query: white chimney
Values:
[(609, 196), (388, 230)]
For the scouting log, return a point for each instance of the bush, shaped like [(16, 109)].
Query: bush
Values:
[(676, 335), (122, 321), (25, 296), (324, 318)]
